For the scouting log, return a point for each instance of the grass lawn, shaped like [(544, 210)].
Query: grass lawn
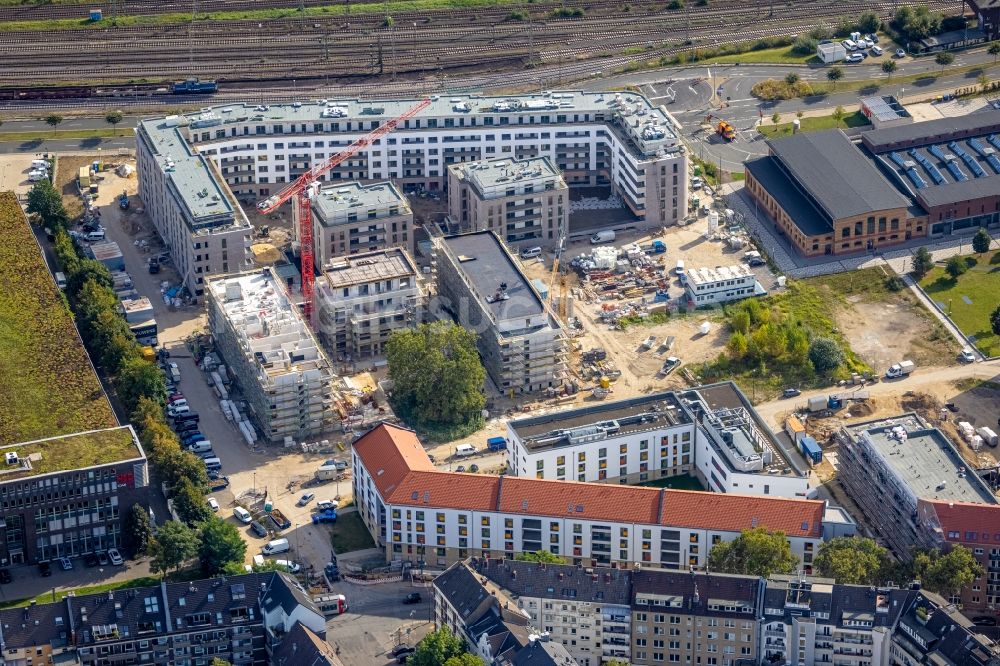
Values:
[(981, 286), (781, 54), (48, 597), (812, 124), (682, 482), (349, 534), (47, 385)]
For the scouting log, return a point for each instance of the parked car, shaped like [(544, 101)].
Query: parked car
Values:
[(213, 504), (900, 53), (66, 563), (460, 468), (876, 50), (790, 393), (412, 598), (90, 560), (289, 565), (44, 569), (873, 38), (966, 356), (981, 620), (4, 576), (305, 499), (258, 529), (402, 648), (322, 505), (115, 557), (102, 559), (854, 57)]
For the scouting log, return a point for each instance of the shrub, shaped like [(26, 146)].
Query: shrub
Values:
[(804, 45), (895, 283)]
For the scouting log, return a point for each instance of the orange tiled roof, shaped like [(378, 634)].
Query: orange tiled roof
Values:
[(587, 501), (447, 490), (726, 511), (389, 453), (962, 517)]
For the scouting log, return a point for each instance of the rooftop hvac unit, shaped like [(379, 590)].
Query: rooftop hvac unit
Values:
[(11, 457)]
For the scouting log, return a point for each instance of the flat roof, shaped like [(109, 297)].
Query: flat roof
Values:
[(932, 131), (388, 264), (491, 177), (924, 459), (334, 202), (718, 274), (272, 332), (621, 417), (70, 452), (884, 107), (806, 216), (191, 178), (836, 173), (487, 265)]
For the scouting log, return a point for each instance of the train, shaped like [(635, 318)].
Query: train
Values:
[(188, 87)]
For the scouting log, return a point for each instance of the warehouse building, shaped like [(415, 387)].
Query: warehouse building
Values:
[(67, 496), (712, 432), (283, 374), (190, 204), (593, 138), (363, 298), (830, 196), (525, 202), (481, 285), (887, 466), (351, 218), (434, 518)]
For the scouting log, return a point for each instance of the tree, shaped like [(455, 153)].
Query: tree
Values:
[(955, 266), (804, 45), (995, 320), (139, 378), (791, 78), (994, 50), (754, 552), (738, 346), (175, 465), (53, 121), (775, 118), (438, 378), (94, 278), (981, 241), (540, 556), (216, 661), (189, 502), (740, 322), (984, 81), (889, 66), (922, 262), (838, 115), (825, 355), (221, 544), (944, 59), (137, 530), (45, 202), (946, 573), (869, 22), (174, 544), (852, 560), (113, 118), (436, 648), (467, 659), (834, 74)]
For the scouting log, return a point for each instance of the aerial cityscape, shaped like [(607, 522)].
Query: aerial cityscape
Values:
[(496, 333)]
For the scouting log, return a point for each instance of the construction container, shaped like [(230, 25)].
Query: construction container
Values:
[(810, 449), (795, 429), (817, 403), (988, 435), (96, 14)]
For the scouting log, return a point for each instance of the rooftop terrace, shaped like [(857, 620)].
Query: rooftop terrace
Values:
[(271, 330), (926, 461), (69, 452), (377, 266)]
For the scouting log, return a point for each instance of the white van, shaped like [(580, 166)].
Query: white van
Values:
[(94, 235), (242, 515), (679, 270), (213, 464), (39, 165), (275, 547), (35, 176), (465, 450), (200, 447), (531, 252), (605, 236), (60, 280)]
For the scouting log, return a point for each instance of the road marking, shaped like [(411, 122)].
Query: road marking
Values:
[(738, 84), (651, 87), (692, 90)]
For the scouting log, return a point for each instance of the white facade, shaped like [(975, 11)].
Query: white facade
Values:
[(707, 286)]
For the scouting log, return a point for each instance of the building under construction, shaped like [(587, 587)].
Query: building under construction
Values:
[(521, 343), (272, 354)]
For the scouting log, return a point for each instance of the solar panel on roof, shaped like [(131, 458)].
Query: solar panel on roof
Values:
[(957, 173), (937, 152), (993, 162), (898, 159), (915, 177), (978, 146), (928, 167), (973, 165), (992, 138)]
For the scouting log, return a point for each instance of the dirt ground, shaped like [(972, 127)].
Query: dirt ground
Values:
[(884, 333), (14, 173)]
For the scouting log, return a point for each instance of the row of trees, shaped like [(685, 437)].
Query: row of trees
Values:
[(140, 386)]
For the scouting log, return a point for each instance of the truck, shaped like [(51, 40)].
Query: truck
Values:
[(123, 201), (496, 443), (725, 130), (279, 519), (330, 470), (656, 247), (606, 236), (145, 332), (325, 516), (901, 369)]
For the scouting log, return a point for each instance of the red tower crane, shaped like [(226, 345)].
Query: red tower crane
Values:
[(297, 188)]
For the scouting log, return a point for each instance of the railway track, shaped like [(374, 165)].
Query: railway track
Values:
[(231, 50)]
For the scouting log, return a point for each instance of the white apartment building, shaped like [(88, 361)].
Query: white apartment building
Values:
[(525, 202), (419, 514), (189, 202), (361, 299), (707, 286), (620, 139), (520, 341), (711, 432), (351, 218), (271, 353)]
